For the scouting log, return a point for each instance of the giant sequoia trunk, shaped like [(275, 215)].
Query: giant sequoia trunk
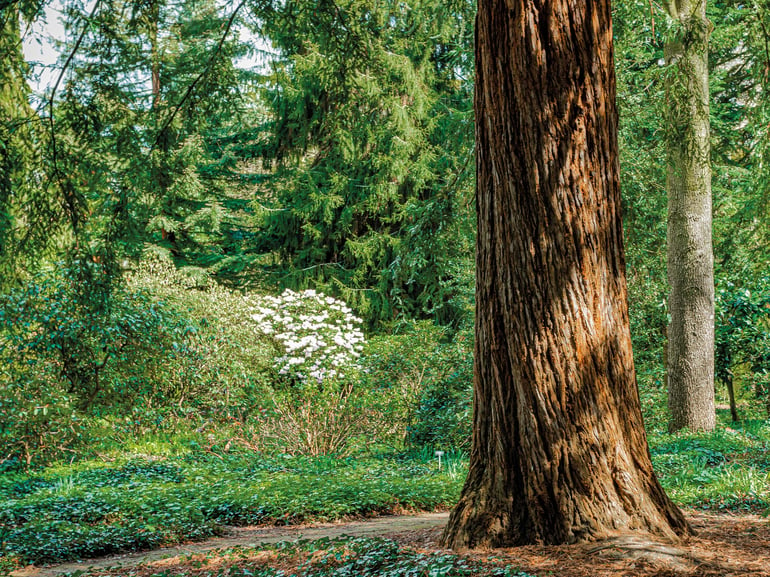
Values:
[(690, 255), (559, 449)]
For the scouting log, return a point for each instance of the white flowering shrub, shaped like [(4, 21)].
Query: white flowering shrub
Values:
[(320, 336), (333, 411)]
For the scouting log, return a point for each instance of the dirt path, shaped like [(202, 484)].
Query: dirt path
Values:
[(727, 545), (253, 536)]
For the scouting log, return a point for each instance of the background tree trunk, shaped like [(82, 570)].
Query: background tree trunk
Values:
[(690, 254), (559, 448)]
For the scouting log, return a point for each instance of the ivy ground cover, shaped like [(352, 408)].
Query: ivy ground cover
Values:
[(93, 508)]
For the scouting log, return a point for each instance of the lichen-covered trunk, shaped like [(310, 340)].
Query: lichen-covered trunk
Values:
[(559, 449), (18, 153), (690, 256)]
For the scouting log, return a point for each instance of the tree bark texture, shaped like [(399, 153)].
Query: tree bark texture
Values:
[(689, 250), (559, 449)]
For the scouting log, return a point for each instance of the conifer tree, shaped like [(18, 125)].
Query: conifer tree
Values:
[(28, 216), (147, 85), (368, 147)]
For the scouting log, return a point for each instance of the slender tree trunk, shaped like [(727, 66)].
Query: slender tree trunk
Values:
[(690, 255), (161, 170), (153, 20), (731, 396), (559, 449)]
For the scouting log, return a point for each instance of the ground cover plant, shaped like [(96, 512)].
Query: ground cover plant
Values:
[(93, 508), (340, 557), (728, 470)]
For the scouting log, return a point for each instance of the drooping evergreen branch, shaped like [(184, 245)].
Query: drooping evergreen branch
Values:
[(69, 196), (760, 13), (201, 76), (449, 186)]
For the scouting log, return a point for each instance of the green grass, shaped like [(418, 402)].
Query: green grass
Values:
[(90, 508)]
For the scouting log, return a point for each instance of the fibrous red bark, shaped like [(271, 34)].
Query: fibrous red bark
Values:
[(559, 448)]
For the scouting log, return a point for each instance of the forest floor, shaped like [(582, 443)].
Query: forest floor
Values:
[(727, 544)]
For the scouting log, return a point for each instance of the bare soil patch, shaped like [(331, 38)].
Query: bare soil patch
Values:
[(727, 545)]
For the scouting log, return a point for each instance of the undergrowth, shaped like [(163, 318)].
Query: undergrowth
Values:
[(340, 557), (91, 508), (728, 469)]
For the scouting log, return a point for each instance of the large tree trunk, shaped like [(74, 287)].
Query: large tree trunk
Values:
[(690, 255), (559, 448)]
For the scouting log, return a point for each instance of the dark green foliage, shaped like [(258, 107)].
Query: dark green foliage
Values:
[(743, 337), (29, 216), (68, 354), (138, 167), (340, 557), (92, 344), (642, 164), (739, 68), (369, 148), (433, 374)]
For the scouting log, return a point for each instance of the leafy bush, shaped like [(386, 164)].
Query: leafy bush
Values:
[(742, 335), (66, 358), (232, 369), (431, 377)]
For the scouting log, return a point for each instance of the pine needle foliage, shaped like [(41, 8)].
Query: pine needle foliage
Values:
[(369, 152), (27, 217), (149, 84)]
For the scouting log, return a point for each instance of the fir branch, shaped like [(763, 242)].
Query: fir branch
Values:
[(444, 191), (201, 76), (57, 172)]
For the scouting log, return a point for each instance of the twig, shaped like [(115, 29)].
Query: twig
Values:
[(652, 18)]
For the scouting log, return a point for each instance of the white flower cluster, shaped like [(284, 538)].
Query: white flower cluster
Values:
[(320, 334)]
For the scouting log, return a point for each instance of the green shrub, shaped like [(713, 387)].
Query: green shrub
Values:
[(66, 358), (430, 377), (232, 369)]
